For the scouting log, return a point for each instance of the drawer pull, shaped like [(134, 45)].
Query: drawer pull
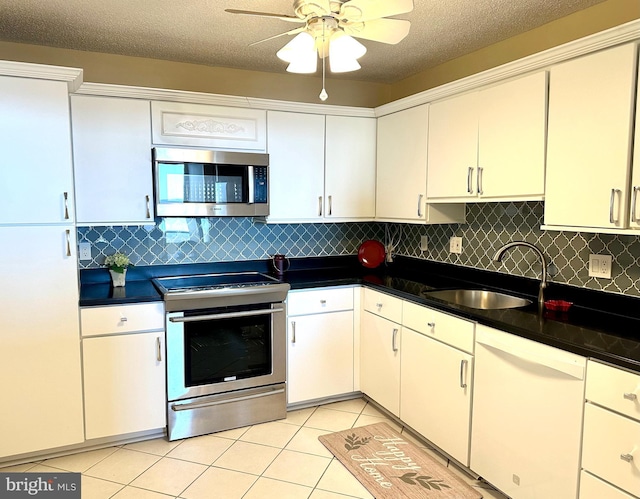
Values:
[(379, 306), (158, 349), (293, 331), (431, 324), (626, 457), (323, 302), (463, 365), (394, 347), (123, 319), (631, 396)]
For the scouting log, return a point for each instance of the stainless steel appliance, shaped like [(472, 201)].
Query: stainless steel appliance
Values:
[(226, 351), (202, 183)]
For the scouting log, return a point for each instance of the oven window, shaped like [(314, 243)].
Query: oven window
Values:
[(227, 349)]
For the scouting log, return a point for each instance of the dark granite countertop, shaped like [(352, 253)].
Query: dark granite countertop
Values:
[(599, 325)]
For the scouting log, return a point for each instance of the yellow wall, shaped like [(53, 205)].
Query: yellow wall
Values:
[(136, 71)]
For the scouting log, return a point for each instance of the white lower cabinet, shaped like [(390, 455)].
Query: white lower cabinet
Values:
[(436, 379), (124, 374), (611, 437), (320, 348)]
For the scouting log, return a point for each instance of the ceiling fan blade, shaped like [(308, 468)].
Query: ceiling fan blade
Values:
[(312, 8), (390, 31), (282, 17), (292, 32), (366, 10)]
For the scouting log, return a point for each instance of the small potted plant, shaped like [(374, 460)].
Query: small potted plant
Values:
[(117, 265)]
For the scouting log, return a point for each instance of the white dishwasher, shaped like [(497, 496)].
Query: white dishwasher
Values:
[(527, 416)]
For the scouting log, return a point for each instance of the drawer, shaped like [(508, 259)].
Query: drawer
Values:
[(95, 321), (592, 487), (319, 301), (384, 305), (614, 388), (607, 438), (458, 333)]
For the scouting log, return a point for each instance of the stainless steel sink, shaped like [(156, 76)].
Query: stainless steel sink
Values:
[(477, 298)]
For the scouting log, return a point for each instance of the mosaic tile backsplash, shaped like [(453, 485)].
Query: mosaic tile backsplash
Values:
[(489, 226)]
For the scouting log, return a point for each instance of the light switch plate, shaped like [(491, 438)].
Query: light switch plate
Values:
[(424, 243), (455, 245), (85, 251), (600, 266)]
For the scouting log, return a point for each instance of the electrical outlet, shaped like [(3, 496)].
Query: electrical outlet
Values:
[(85, 251), (455, 245), (424, 241), (600, 266)]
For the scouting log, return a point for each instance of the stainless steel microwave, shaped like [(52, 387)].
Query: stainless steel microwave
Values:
[(203, 183)]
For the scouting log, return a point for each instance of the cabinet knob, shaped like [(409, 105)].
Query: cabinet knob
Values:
[(431, 324), (123, 319), (626, 457), (631, 396), (379, 305), (323, 302)]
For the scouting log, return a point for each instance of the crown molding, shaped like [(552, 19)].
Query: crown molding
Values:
[(618, 35), (72, 76), (158, 94)]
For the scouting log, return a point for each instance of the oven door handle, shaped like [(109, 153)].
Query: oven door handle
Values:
[(197, 405), (230, 315)]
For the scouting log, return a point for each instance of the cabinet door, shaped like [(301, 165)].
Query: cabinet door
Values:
[(402, 164), (320, 356), (435, 392), (453, 147), (36, 172), (296, 166), (588, 158), (350, 167), (124, 384), (511, 144), (39, 340), (112, 160), (380, 342)]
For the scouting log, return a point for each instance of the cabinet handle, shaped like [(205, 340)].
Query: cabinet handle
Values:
[(66, 206), (68, 237), (123, 319), (158, 349), (293, 331), (330, 206), (480, 190), (611, 203), (319, 206), (323, 302), (394, 336), (634, 201), (631, 396), (379, 306), (420, 196), (626, 457), (431, 324), (148, 199), (463, 365), (470, 180)]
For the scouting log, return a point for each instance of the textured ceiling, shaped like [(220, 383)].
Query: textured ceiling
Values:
[(201, 32)]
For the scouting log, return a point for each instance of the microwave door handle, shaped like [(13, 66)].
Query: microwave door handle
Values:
[(252, 184)]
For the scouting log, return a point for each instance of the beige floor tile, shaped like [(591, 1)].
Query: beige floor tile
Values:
[(157, 446), (330, 420), (247, 457), (353, 405), (338, 479), (96, 488), (266, 488), (298, 417), (306, 440), (364, 420), (80, 462), (136, 493), (490, 493), (233, 434), (17, 468), (203, 450), (41, 468), (275, 434), (122, 466), (219, 483), (324, 494), (169, 476), (372, 410), (295, 467)]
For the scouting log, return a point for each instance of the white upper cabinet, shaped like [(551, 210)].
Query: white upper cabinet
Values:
[(35, 134), (321, 169), (591, 103), (214, 127), (112, 160), (489, 145), (350, 167), (401, 182)]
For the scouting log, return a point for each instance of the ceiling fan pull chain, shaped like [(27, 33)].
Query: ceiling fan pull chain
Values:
[(323, 95)]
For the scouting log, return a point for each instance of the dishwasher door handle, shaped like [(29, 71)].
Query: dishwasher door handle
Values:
[(559, 365)]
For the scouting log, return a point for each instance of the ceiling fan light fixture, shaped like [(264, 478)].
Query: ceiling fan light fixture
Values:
[(301, 47), (344, 51), (304, 65)]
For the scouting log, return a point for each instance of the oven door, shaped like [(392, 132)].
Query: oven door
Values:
[(220, 350)]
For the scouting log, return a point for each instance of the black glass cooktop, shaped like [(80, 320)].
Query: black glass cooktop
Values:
[(213, 281)]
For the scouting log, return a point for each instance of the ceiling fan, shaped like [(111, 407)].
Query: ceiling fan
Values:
[(330, 28)]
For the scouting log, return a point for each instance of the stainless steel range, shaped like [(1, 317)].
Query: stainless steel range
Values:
[(226, 351)]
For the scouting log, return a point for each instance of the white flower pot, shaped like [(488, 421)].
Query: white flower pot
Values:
[(117, 278)]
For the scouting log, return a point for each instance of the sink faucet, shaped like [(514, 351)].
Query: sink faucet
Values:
[(543, 261)]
